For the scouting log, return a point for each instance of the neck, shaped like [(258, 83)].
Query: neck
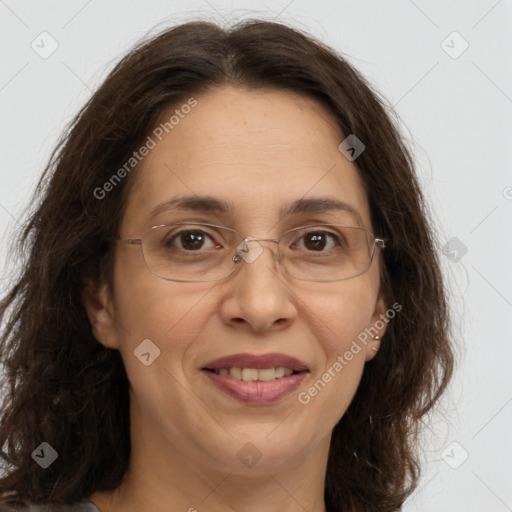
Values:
[(162, 471)]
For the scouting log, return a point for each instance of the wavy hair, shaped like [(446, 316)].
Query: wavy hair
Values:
[(61, 386)]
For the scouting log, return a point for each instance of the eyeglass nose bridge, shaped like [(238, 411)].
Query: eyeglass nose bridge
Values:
[(249, 252)]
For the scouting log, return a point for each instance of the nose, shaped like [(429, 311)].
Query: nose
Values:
[(260, 297)]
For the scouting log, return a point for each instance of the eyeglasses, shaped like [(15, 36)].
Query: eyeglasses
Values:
[(197, 252)]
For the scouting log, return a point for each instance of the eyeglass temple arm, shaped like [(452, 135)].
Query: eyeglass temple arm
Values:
[(129, 241)]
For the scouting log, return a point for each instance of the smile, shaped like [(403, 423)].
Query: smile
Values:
[(256, 379)]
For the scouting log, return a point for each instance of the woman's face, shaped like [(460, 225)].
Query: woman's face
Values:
[(259, 152)]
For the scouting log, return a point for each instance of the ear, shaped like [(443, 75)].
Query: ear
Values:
[(100, 311), (377, 328)]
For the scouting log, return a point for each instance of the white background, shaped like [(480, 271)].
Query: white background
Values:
[(456, 111)]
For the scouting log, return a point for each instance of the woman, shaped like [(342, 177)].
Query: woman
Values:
[(232, 297)]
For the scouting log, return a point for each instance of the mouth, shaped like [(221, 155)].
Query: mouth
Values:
[(256, 380)]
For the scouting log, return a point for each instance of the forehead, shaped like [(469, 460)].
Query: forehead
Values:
[(258, 152)]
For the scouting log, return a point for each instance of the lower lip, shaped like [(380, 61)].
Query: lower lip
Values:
[(257, 392)]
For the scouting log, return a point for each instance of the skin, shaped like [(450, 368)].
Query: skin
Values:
[(258, 150)]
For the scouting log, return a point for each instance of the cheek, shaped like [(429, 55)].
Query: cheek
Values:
[(171, 317), (327, 396), (337, 317), (339, 314), (169, 314)]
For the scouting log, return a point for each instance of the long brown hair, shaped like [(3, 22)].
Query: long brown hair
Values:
[(61, 386)]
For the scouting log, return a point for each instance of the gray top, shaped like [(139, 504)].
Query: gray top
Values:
[(83, 506)]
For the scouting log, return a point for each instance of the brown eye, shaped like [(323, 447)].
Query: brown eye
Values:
[(189, 240), (318, 241)]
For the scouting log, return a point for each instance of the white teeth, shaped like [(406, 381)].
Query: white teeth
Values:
[(235, 373), (253, 374), (268, 374), (249, 374), (280, 372)]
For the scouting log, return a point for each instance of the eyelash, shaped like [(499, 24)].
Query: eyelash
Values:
[(177, 236)]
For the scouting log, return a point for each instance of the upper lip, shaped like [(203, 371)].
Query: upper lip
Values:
[(271, 360)]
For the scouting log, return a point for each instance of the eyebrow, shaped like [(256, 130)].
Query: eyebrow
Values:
[(211, 204)]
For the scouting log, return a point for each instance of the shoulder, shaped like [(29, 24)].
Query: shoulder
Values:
[(83, 506)]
